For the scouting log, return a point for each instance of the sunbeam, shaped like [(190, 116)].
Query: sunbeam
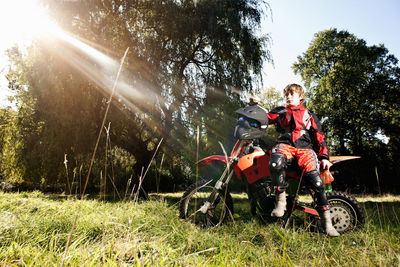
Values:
[(100, 69), (138, 96)]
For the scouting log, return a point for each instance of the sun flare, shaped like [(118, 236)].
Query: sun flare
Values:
[(20, 21)]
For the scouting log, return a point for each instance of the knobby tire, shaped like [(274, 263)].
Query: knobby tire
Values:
[(195, 196)]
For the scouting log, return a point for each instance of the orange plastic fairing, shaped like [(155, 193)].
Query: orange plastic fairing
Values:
[(253, 166)]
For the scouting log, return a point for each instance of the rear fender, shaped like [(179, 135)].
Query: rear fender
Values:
[(337, 159), (326, 175)]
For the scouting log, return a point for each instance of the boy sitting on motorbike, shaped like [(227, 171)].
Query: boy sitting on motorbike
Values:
[(301, 138)]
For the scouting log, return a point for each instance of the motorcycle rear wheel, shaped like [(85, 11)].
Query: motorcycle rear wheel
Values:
[(195, 196)]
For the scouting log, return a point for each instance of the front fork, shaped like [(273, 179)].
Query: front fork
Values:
[(223, 181)]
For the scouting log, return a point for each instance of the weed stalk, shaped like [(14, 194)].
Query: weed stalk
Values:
[(197, 168), (380, 194), (104, 120), (128, 184), (226, 188), (148, 167), (66, 171), (159, 174)]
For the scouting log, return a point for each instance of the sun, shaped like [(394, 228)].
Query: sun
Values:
[(20, 21)]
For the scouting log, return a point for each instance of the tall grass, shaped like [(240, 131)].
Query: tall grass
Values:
[(34, 230)]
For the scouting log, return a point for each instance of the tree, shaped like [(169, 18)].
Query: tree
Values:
[(186, 60), (355, 87), (270, 98)]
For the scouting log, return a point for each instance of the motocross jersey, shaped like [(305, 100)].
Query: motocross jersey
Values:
[(299, 127)]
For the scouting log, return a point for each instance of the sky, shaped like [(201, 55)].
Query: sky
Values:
[(291, 25), (294, 23)]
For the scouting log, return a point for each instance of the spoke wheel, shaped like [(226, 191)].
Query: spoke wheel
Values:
[(346, 213), (196, 196)]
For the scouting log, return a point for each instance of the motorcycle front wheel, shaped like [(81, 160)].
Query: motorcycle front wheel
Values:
[(194, 198)]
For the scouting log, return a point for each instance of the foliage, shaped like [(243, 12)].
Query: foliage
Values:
[(271, 98), (35, 229), (355, 89), (188, 61), (15, 132)]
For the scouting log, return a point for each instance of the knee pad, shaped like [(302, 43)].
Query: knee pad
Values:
[(314, 180), (277, 163)]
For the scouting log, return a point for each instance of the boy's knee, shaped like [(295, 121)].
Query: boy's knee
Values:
[(277, 162), (314, 179)]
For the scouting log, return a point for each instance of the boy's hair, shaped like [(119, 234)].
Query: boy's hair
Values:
[(293, 87)]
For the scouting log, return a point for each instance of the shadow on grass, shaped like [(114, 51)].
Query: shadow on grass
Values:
[(96, 197), (380, 212)]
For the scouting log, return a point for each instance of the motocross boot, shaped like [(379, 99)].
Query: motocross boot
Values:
[(315, 182), (327, 224), (280, 205)]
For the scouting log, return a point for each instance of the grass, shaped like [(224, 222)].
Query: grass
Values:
[(34, 230)]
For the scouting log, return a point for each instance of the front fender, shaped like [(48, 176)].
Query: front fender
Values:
[(212, 160)]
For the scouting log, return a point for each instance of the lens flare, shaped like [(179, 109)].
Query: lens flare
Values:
[(135, 95)]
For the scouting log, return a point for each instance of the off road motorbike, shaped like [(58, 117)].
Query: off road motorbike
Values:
[(208, 202)]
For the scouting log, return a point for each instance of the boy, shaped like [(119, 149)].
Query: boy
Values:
[(301, 137)]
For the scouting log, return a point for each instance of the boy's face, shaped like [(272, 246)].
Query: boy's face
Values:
[(292, 99)]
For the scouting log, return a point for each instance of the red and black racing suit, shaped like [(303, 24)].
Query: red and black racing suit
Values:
[(301, 137)]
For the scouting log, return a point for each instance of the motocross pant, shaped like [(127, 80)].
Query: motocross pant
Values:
[(308, 163)]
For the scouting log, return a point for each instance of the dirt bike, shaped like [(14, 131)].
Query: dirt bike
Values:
[(208, 203)]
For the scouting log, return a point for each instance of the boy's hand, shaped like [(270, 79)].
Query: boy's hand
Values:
[(325, 164)]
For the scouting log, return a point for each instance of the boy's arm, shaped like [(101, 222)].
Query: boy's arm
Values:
[(319, 138), (277, 114)]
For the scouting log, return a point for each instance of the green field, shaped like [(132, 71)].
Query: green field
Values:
[(35, 229)]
